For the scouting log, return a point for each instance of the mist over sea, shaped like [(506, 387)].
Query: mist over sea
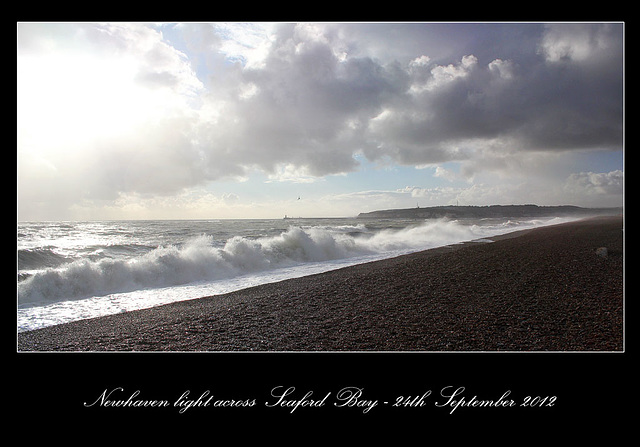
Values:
[(74, 270)]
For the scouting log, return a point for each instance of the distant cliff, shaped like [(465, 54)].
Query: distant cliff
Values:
[(480, 212)]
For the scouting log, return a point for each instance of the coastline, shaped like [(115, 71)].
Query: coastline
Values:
[(544, 289)]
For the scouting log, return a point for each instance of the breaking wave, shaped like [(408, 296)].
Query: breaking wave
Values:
[(201, 259)]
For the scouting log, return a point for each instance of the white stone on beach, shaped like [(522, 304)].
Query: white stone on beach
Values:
[(602, 252)]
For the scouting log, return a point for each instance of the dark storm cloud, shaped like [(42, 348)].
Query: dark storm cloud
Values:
[(541, 102), (325, 92), (311, 105)]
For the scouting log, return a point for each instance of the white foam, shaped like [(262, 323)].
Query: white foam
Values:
[(199, 260), (201, 267)]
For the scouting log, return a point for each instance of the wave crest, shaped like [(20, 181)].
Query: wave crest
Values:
[(199, 259)]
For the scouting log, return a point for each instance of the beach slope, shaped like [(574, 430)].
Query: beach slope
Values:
[(550, 289)]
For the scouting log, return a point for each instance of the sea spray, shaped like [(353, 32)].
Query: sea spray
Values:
[(127, 265), (197, 259)]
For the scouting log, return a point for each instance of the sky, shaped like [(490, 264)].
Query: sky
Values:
[(258, 120)]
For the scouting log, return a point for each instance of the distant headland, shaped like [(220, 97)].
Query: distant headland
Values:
[(496, 211)]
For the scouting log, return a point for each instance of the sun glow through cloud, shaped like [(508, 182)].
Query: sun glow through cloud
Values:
[(79, 98)]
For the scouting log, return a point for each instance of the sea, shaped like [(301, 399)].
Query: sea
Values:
[(70, 271)]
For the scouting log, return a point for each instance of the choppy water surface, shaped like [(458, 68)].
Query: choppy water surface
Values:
[(74, 270)]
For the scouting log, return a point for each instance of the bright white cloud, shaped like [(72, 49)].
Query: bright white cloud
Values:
[(577, 42), (505, 69), (247, 43), (442, 75), (445, 174), (291, 173), (596, 183)]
